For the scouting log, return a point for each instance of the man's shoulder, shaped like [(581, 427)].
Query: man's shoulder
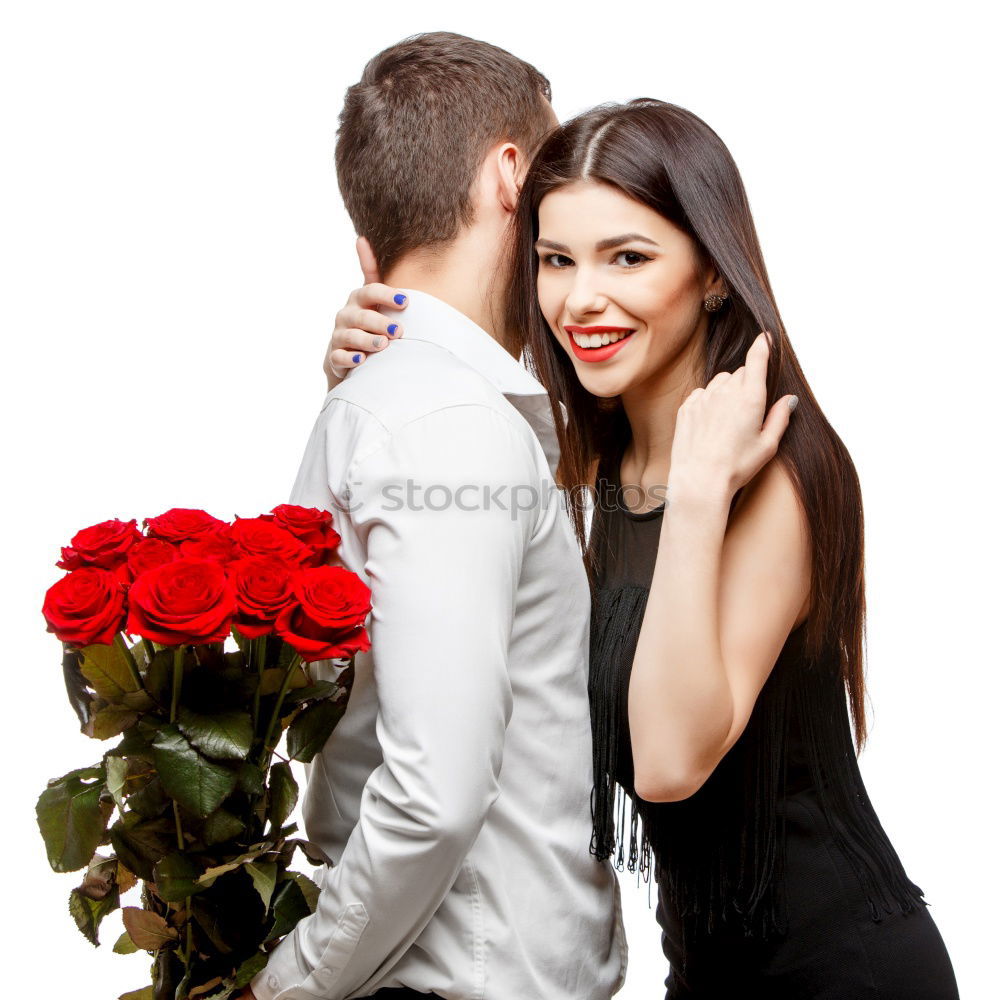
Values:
[(408, 380)]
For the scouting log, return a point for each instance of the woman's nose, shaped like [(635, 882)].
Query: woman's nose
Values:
[(585, 297)]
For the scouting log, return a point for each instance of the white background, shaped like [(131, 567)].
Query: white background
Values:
[(174, 250)]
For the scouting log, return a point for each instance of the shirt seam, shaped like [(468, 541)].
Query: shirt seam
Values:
[(386, 441), (478, 936)]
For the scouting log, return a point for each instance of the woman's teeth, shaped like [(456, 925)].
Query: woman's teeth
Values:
[(598, 339)]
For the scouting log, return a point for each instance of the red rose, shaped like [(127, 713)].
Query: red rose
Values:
[(87, 605), (180, 602), (148, 554), (263, 587), (260, 536), (326, 620), (104, 545), (218, 547), (179, 523), (311, 526)]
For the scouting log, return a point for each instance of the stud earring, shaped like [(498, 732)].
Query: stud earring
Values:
[(713, 303)]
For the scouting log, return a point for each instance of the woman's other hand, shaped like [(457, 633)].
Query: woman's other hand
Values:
[(721, 439), (359, 329)]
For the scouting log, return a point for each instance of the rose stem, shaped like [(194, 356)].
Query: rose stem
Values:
[(129, 659)]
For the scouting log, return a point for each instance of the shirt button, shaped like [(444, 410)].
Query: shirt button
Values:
[(272, 981)]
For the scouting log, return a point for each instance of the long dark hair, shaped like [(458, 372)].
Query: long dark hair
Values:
[(670, 160)]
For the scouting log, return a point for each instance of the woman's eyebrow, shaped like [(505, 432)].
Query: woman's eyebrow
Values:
[(611, 241)]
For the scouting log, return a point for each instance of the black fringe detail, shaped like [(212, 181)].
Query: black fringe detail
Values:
[(820, 705), (719, 855)]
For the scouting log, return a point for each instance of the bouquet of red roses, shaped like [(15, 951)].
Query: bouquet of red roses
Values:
[(227, 621)]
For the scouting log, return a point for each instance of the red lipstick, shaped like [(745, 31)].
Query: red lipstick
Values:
[(598, 353)]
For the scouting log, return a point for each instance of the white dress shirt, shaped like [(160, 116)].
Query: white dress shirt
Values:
[(454, 796)]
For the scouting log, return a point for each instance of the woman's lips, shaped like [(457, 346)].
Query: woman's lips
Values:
[(598, 353)]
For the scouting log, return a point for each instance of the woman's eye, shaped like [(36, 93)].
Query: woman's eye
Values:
[(632, 257), (551, 260)]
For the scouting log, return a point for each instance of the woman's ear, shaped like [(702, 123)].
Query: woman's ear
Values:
[(714, 283)]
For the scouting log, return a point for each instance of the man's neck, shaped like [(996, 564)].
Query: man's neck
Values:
[(467, 276)]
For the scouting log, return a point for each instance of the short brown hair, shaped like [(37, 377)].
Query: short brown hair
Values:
[(414, 130)]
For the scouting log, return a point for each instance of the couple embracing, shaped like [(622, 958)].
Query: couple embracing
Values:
[(621, 581)]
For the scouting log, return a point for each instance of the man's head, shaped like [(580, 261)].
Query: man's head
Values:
[(414, 132)]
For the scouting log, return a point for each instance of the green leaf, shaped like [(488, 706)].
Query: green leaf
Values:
[(284, 793), (250, 968), (264, 875), (272, 678), (221, 826), (146, 993), (138, 700), (310, 890), (88, 913), (109, 721), (124, 945), (107, 669), (211, 874), (150, 800), (289, 908), (197, 783), (321, 689), (311, 729), (250, 779), (148, 930), (139, 843), (116, 769), (226, 735), (315, 855), (175, 877), (138, 740), (72, 818), (159, 676)]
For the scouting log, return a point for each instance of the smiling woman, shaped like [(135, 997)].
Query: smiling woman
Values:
[(722, 713)]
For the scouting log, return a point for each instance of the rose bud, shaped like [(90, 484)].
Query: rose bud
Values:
[(326, 620), (105, 545), (87, 605), (263, 588), (180, 602), (258, 536), (312, 527), (179, 523)]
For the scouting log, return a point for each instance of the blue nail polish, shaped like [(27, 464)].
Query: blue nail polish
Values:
[(392, 329), (357, 358), (399, 299)]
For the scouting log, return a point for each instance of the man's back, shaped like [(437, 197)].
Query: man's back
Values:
[(454, 796)]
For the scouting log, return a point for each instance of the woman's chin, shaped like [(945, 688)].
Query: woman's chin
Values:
[(605, 385)]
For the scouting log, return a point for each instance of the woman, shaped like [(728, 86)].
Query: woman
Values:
[(728, 619)]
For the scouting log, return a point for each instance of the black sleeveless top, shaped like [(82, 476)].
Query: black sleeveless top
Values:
[(718, 856)]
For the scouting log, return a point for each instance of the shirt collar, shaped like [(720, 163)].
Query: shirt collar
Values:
[(435, 321)]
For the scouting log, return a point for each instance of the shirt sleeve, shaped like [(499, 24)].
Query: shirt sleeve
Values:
[(440, 510)]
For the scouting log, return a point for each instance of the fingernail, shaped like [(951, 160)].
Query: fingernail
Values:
[(378, 343), (793, 402), (392, 329), (357, 359), (399, 298)]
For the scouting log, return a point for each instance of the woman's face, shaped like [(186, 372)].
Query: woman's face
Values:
[(613, 271)]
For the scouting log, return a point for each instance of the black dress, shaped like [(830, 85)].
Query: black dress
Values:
[(775, 879)]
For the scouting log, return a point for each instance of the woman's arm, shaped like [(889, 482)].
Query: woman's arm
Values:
[(722, 601)]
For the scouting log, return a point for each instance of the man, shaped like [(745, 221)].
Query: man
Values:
[(454, 796)]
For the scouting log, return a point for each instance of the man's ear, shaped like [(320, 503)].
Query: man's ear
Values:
[(511, 167)]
